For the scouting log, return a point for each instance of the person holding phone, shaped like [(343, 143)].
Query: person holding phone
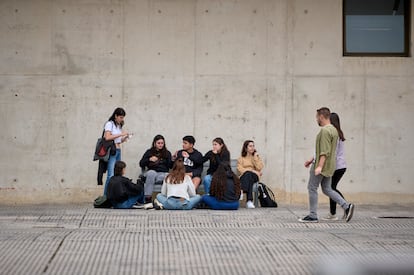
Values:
[(114, 131), (250, 167)]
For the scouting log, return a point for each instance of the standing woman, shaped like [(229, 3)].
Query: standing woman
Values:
[(340, 166), (113, 131), (178, 191), (219, 154), (250, 167), (157, 161)]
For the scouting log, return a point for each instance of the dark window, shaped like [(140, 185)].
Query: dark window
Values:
[(376, 27)]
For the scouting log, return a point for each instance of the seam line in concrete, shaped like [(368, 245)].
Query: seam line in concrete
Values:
[(55, 253)]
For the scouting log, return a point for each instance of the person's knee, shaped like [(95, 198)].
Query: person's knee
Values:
[(151, 173)]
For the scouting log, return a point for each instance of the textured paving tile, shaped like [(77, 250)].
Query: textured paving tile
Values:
[(82, 240)]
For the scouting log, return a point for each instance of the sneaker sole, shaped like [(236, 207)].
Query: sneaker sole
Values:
[(306, 221), (326, 219), (350, 213)]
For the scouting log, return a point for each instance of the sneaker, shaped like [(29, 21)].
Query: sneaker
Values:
[(330, 217), (138, 206), (148, 206), (309, 219), (241, 196), (158, 205), (349, 212), (250, 205)]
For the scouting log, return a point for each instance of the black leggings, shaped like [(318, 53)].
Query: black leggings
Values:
[(335, 180), (246, 183)]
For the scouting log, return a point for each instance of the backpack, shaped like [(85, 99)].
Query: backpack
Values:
[(102, 202), (266, 196), (104, 148)]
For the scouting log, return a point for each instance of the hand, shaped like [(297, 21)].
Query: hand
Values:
[(308, 162), (174, 156), (124, 133), (185, 154), (153, 158), (318, 171)]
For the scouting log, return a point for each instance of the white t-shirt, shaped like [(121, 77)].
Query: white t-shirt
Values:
[(182, 190), (114, 129)]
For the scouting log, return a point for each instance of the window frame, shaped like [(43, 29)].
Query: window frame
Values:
[(407, 33)]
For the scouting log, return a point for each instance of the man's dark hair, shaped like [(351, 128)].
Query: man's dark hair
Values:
[(189, 139), (324, 111), (119, 165)]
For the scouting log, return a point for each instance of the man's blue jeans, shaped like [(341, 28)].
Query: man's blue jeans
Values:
[(172, 203), (111, 166), (215, 204)]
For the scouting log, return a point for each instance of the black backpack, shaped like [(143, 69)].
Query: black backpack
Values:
[(266, 196)]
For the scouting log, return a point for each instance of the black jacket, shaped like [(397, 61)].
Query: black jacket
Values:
[(229, 193), (215, 160), (120, 188), (162, 165), (194, 163)]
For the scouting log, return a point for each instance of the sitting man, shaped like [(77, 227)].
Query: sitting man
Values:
[(193, 160)]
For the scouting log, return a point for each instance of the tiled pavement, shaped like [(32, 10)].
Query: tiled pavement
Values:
[(78, 239)]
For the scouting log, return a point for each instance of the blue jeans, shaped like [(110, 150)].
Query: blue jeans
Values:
[(215, 204), (172, 203), (129, 202), (111, 166), (207, 183)]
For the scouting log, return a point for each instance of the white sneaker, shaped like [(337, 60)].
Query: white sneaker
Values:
[(330, 217), (158, 205), (250, 205), (148, 206), (241, 196)]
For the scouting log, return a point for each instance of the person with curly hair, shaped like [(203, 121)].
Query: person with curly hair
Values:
[(225, 189)]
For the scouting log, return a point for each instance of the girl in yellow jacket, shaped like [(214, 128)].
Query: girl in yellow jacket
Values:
[(250, 167)]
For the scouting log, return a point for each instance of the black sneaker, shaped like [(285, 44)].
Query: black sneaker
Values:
[(349, 212), (309, 219)]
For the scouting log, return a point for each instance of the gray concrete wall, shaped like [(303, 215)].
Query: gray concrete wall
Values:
[(236, 69)]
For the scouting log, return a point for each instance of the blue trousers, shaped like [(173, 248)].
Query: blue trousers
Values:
[(129, 202), (111, 166), (215, 204), (172, 203)]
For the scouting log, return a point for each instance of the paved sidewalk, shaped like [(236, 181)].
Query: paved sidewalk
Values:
[(78, 239)]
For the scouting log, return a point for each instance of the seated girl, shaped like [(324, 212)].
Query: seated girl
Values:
[(216, 156), (178, 191), (225, 189), (121, 191)]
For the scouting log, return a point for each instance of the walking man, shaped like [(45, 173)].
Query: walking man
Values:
[(323, 167)]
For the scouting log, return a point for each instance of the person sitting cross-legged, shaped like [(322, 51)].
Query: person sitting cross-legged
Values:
[(177, 191)]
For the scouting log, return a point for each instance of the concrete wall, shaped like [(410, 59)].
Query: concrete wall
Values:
[(236, 69)]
